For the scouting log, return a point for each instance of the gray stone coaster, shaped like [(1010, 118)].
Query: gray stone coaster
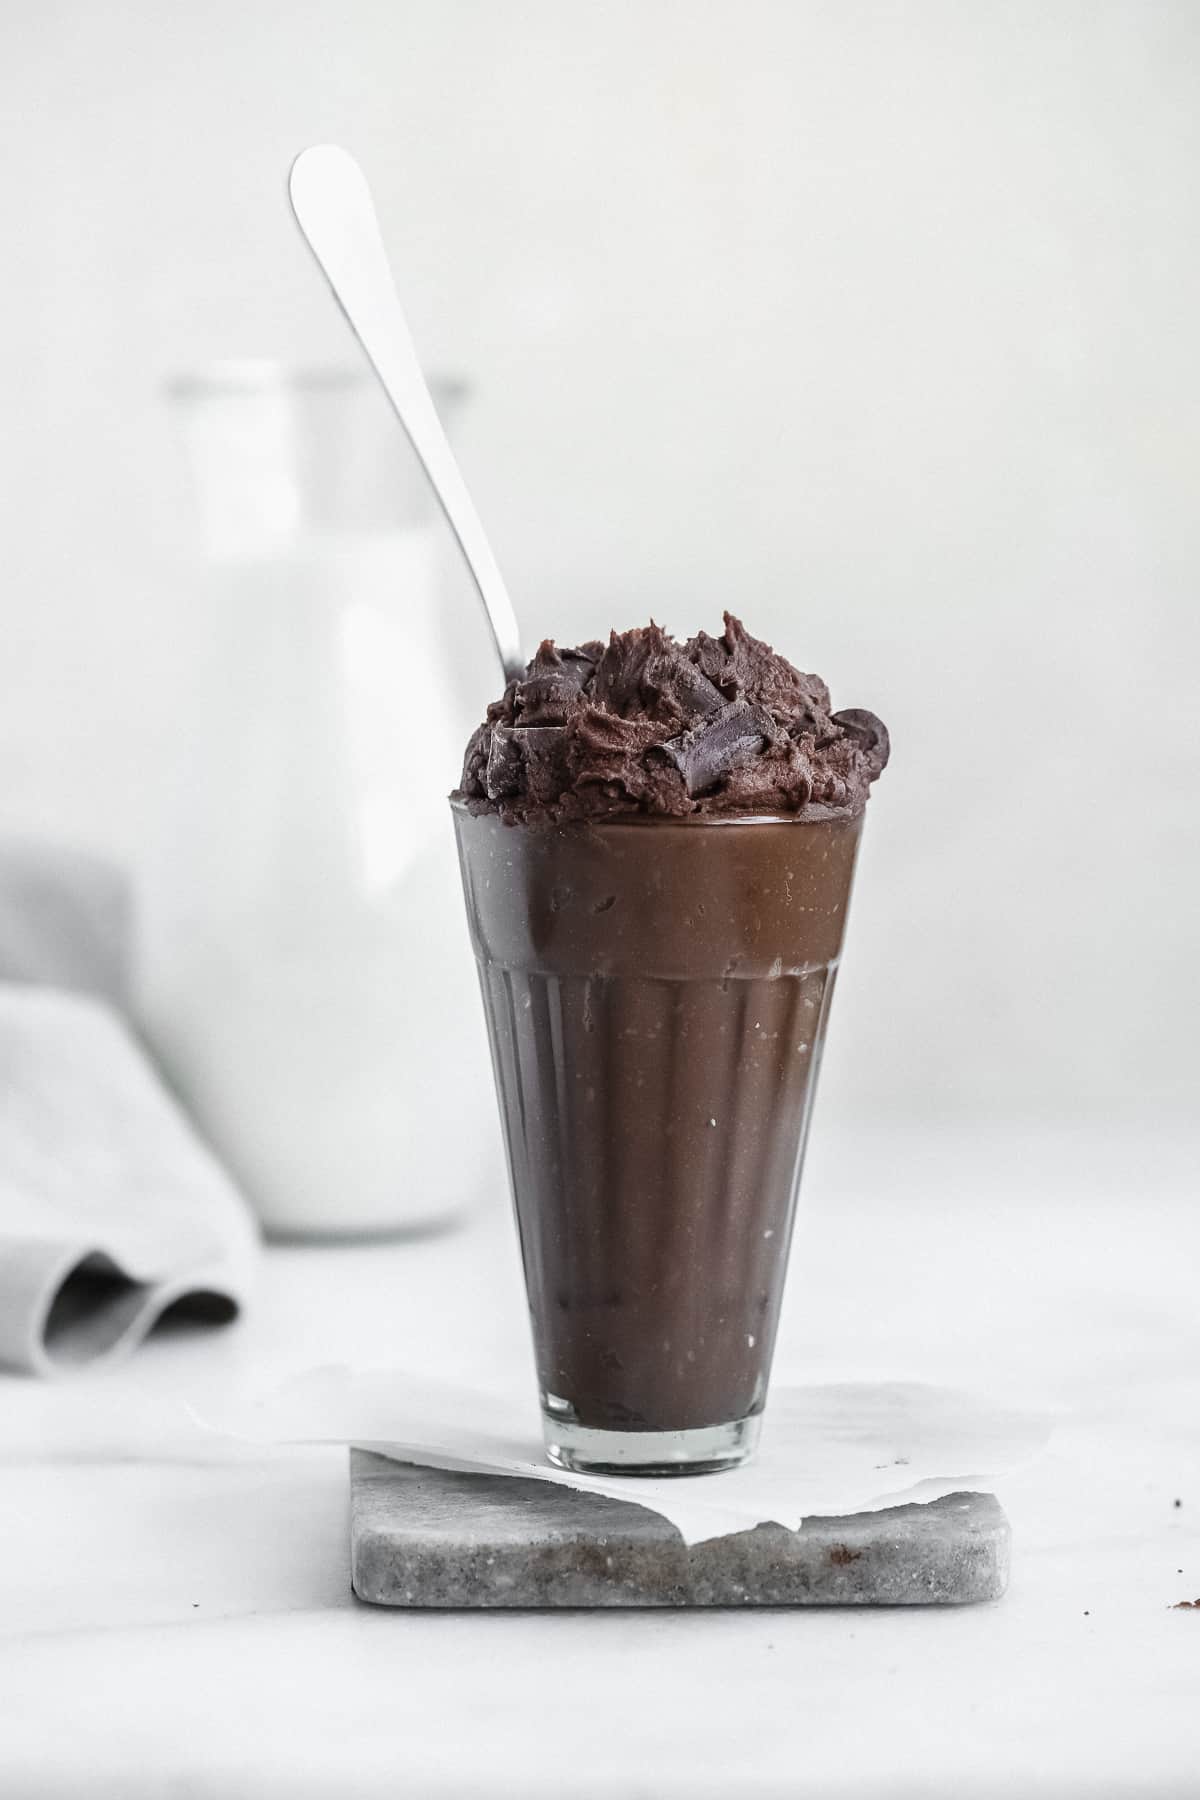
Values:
[(431, 1538)]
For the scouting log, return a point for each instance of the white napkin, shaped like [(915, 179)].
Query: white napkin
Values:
[(826, 1451), (111, 1210)]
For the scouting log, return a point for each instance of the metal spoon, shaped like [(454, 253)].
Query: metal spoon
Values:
[(334, 210)]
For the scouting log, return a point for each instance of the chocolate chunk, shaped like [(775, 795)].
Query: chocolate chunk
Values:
[(710, 752), (545, 762), (505, 765), (681, 684), (524, 759), (869, 731)]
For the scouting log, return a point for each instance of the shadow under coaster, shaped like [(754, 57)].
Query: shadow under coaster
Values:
[(423, 1537)]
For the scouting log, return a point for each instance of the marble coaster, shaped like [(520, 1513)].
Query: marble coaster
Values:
[(423, 1537)]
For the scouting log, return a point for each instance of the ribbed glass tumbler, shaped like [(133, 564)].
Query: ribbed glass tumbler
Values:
[(656, 995)]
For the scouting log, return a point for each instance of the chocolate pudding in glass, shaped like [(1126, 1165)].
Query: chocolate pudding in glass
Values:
[(657, 844)]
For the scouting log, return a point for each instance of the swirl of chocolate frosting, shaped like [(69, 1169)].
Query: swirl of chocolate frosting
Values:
[(648, 725)]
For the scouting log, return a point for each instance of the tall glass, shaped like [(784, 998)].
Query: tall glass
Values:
[(656, 993), (302, 978)]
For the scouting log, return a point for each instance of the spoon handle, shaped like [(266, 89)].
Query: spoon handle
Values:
[(334, 210)]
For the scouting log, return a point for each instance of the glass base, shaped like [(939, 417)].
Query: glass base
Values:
[(702, 1451)]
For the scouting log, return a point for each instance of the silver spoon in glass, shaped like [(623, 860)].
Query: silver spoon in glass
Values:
[(334, 210)]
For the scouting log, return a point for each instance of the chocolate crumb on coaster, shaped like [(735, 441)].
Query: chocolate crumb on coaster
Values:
[(423, 1537)]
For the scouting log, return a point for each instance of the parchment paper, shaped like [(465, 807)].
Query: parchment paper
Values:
[(826, 1450)]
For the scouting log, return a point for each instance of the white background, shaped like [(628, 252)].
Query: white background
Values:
[(877, 323), (874, 322)]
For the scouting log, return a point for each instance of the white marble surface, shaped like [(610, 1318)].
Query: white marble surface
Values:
[(175, 1615)]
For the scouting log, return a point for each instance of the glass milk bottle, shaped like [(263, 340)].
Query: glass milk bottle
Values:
[(307, 980)]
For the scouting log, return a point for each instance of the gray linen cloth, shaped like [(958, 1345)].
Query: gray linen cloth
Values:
[(112, 1211)]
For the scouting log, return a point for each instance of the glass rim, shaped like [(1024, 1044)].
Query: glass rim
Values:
[(261, 374), (819, 814)]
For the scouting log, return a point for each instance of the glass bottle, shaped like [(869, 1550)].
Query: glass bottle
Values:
[(306, 977)]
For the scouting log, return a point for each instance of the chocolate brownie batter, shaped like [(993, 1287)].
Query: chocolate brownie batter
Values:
[(657, 844), (648, 725)]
